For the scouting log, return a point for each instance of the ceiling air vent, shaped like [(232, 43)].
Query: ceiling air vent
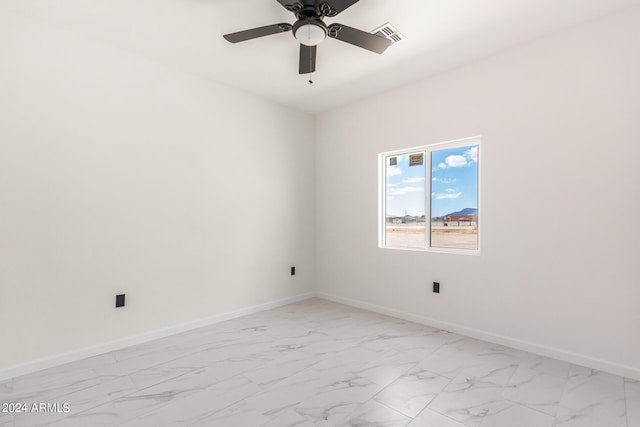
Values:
[(389, 32)]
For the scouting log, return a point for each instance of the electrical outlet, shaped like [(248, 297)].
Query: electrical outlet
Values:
[(436, 287), (120, 300), (293, 271)]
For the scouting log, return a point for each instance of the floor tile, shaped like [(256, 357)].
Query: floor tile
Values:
[(461, 354), (334, 401), (469, 402), (429, 418), (548, 366), (595, 394), (290, 418), (517, 415), (53, 383), (277, 370), (587, 418), (390, 365), (273, 401), (194, 407), (374, 414), (411, 393), (347, 360), (535, 389), (238, 415)]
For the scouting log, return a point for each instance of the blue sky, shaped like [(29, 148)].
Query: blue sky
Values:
[(454, 182)]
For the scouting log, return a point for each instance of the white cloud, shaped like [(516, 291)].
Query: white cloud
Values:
[(455, 161), (414, 180), (404, 190), (472, 154), (450, 190), (444, 180), (393, 171), (447, 196)]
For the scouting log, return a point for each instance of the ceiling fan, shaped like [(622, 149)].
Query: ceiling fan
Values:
[(309, 29)]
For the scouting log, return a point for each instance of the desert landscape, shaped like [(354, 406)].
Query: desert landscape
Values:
[(414, 236)]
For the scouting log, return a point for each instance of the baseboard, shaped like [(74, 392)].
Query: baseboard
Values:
[(83, 353), (556, 353)]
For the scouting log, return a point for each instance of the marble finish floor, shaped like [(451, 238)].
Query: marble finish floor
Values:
[(317, 363)]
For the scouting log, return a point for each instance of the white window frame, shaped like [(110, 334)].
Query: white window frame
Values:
[(382, 196)]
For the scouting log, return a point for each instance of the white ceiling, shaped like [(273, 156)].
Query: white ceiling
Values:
[(187, 35)]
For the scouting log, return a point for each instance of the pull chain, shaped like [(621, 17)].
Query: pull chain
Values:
[(310, 72)]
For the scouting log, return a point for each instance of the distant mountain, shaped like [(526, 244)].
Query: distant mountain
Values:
[(464, 212)]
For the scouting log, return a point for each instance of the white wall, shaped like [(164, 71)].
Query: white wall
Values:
[(558, 272), (120, 175)]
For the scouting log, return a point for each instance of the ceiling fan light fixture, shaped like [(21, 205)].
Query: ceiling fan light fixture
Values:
[(310, 34)]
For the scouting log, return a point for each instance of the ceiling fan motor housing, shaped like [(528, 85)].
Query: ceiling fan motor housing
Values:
[(311, 8), (310, 31)]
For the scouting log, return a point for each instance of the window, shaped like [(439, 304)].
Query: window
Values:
[(429, 197)]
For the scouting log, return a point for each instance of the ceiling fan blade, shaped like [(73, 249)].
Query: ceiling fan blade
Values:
[(359, 38), (339, 5), (291, 5), (307, 59), (254, 33)]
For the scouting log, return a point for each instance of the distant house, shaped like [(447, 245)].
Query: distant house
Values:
[(459, 219), (408, 219)]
